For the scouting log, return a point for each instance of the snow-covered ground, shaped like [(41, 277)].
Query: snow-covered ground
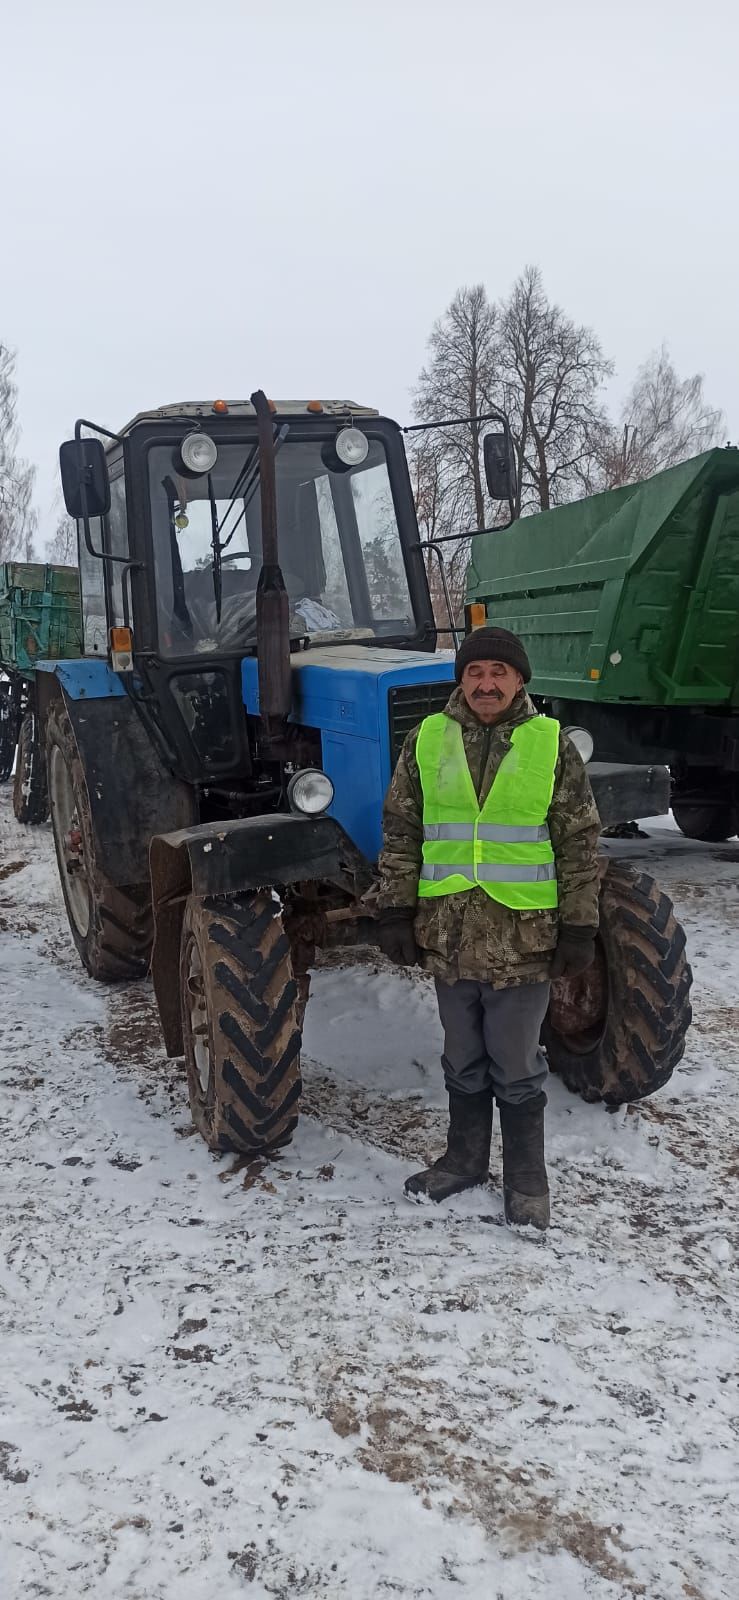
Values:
[(224, 1381)]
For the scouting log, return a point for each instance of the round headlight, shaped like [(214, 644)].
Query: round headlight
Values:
[(352, 447), (199, 453), (310, 792), (582, 740)]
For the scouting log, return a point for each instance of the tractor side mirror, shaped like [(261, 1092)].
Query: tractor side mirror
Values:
[(500, 465), (83, 465)]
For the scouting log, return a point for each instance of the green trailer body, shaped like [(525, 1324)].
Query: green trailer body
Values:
[(40, 615), (627, 596)]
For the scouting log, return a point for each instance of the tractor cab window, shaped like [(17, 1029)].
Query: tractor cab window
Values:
[(340, 549), (92, 590), (116, 543)]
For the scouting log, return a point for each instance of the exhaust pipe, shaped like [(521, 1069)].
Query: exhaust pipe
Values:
[(273, 607)]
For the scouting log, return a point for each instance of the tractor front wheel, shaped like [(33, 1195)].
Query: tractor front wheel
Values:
[(239, 1006), (617, 1032)]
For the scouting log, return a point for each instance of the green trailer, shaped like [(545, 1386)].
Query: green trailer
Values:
[(40, 620), (628, 603)]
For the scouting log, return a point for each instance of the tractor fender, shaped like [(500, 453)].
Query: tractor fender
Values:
[(226, 858), (132, 794)]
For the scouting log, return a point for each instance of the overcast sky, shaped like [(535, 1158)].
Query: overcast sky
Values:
[(203, 198)]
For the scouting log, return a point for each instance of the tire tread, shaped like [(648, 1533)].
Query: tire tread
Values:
[(252, 997), (649, 1010)]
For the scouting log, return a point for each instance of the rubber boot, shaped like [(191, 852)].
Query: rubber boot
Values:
[(525, 1187), (464, 1164)]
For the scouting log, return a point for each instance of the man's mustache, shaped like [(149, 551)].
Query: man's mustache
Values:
[(486, 694)]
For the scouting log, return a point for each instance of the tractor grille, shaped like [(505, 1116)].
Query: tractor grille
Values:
[(408, 705)]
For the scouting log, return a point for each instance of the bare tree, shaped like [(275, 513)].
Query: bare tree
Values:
[(552, 373), (62, 547), (443, 514), (17, 515), (523, 356), (459, 380), (665, 419)]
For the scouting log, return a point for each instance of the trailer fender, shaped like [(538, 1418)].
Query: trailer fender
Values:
[(623, 793), (227, 858)]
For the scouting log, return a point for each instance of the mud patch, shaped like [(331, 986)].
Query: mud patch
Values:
[(343, 1418), (196, 1352), (11, 867), (403, 1128), (8, 1468), (133, 1035), (77, 1410), (594, 1546)]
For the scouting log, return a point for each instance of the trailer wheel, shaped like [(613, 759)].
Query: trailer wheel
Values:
[(617, 1032), (112, 927), (30, 791), (8, 732), (712, 823), (239, 1022)]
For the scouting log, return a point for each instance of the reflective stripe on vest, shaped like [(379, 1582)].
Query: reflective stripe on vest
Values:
[(504, 846)]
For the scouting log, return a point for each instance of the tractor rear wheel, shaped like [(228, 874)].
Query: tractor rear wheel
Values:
[(240, 1022), (30, 790), (617, 1032), (112, 927)]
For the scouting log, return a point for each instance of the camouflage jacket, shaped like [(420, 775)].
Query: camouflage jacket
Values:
[(470, 935)]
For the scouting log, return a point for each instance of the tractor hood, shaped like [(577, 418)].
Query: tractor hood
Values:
[(364, 700)]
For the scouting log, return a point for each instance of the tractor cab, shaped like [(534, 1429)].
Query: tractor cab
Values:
[(172, 548), (182, 508)]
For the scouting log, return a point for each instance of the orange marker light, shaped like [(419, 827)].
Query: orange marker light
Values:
[(272, 406), (595, 673), (220, 407), (121, 649), (314, 405), (476, 615)]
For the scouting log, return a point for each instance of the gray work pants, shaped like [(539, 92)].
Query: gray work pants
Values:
[(491, 1038)]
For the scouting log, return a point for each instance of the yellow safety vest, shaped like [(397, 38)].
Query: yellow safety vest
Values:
[(504, 846)]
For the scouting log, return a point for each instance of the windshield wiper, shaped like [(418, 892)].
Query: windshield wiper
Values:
[(243, 474), (246, 484)]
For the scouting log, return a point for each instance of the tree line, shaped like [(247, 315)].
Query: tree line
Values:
[(525, 356), (18, 515), (522, 354), (18, 519)]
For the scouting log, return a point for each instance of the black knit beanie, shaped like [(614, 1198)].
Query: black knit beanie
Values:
[(492, 644)]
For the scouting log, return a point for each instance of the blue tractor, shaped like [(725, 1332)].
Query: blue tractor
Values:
[(258, 640)]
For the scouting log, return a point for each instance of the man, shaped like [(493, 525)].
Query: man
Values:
[(489, 878)]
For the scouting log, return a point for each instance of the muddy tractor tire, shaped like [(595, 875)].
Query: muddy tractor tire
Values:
[(112, 927), (714, 824), (30, 790), (240, 1027), (617, 1032)]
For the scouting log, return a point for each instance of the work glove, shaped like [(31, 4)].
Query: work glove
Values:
[(395, 936), (575, 952)]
